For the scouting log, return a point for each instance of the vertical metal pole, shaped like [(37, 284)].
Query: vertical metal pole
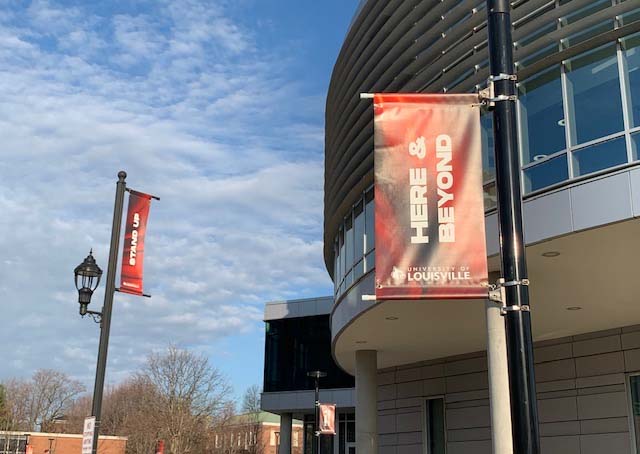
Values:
[(105, 324), (524, 414), (318, 410)]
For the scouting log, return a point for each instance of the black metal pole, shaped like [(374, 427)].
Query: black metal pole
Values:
[(105, 323), (317, 377), (524, 413)]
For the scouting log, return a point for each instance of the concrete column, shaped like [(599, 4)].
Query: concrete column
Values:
[(498, 381), (286, 420), (366, 402)]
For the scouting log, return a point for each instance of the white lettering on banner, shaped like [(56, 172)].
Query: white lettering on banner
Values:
[(418, 204), (444, 181), (439, 276), (419, 214), (134, 240)]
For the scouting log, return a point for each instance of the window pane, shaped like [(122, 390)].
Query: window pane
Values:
[(358, 270), (631, 48), (348, 279), (343, 268), (488, 154), (370, 260), (348, 243), (635, 146), (601, 156), (369, 222), (490, 196), (594, 87), (541, 115), (435, 427), (293, 347), (358, 232), (546, 173), (635, 407)]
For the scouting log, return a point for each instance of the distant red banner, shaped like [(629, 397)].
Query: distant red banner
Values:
[(429, 212), (327, 419), (133, 250)]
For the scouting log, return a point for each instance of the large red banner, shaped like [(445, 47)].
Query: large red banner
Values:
[(429, 212), (133, 249)]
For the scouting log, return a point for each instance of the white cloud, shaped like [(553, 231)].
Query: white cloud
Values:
[(181, 98)]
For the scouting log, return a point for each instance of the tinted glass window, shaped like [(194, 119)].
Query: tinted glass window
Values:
[(600, 156), (488, 154), (546, 173), (541, 116), (594, 95), (631, 48), (436, 441), (295, 346)]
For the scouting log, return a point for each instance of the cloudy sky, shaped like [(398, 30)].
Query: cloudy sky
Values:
[(216, 106)]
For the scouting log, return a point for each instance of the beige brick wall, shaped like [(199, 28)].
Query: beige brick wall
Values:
[(582, 398)]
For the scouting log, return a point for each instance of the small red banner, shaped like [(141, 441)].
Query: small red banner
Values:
[(429, 211), (133, 249), (327, 419)]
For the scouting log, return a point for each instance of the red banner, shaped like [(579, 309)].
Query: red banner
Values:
[(327, 419), (429, 212), (133, 249)]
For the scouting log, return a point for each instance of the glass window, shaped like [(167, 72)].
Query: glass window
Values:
[(369, 221), (541, 116), (343, 267), (348, 242), (546, 173), (631, 52), (295, 346), (358, 270), (435, 427), (370, 261), (358, 231), (634, 385), (600, 156), (488, 154), (490, 196), (336, 264), (594, 95), (348, 279), (635, 146)]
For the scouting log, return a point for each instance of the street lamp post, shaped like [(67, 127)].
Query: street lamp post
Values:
[(524, 415), (317, 375), (89, 274)]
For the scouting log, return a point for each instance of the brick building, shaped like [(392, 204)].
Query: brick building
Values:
[(55, 443), (255, 433)]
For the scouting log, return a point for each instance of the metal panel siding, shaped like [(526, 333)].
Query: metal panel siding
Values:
[(601, 201), (547, 216)]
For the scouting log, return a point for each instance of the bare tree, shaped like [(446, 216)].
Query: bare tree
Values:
[(38, 402), (192, 397), (177, 397), (251, 399)]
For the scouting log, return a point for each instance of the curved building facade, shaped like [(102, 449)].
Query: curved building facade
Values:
[(578, 67)]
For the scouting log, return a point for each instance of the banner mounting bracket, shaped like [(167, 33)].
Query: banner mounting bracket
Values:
[(497, 294)]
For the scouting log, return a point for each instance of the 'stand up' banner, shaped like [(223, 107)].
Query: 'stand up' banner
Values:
[(429, 213), (133, 249)]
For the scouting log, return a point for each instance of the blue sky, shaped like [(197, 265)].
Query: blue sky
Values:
[(215, 106)]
